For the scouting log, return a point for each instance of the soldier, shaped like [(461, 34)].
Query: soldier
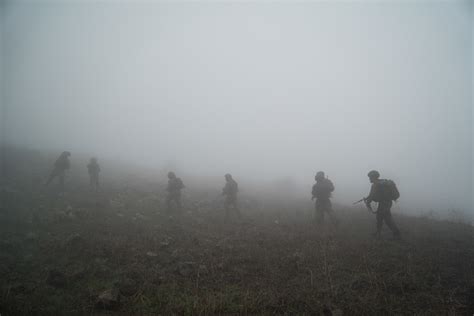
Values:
[(322, 191), (383, 192), (60, 167), (174, 190), (93, 168), (230, 191)]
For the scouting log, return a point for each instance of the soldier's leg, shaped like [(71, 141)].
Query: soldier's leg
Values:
[(227, 207), (391, 224), (178, 202), (319, 209), (331, 213), (379, 218), (236, 208), (61, 180), (169, 198), (51, 176)]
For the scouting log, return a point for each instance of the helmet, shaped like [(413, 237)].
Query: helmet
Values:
[(319, 175), (228, 176), (171, 175), (373, 174)]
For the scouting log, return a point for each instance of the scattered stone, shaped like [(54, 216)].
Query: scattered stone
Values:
[(31, 236), (56, 279), (141, 217), (75, 242), (116, 204), (165, 243), (128, 287), (203, 269), (332, 312), (59, 216), (109, 299), (186, 268), (78, 274)]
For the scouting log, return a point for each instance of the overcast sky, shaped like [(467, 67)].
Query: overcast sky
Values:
[(259, 89)]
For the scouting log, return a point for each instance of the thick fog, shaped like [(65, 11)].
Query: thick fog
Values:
[(266, 91)]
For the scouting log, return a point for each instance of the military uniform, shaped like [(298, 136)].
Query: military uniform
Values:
[(60, 167), (378, 193), (322, 191), (230, 191), (93, 168), (174, 191)]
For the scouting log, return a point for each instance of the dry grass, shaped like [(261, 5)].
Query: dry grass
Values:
[(202, 265), (206, 266)]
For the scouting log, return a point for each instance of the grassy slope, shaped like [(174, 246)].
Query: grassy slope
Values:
[(206, 266)]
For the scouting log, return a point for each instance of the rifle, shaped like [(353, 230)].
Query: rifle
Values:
[(369, 207), (363, 199)]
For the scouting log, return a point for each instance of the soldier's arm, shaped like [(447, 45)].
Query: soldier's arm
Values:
[(372, 194), (331, 186)]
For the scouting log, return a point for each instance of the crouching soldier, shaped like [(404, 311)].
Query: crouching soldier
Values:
[(175, 185), (230, 192)]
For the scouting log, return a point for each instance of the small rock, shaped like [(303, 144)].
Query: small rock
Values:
[(7, 246), (31, 236), (128, 287), (203, 269), (337, 312), (78, 274), (164, 243), (56, 278), (116, 204), (75, 241), (109, 299), (186, 268), (332, 312), (151, 254), (141, 217)]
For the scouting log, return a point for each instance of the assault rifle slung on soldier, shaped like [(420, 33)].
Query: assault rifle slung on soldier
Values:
[(369, 207)]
